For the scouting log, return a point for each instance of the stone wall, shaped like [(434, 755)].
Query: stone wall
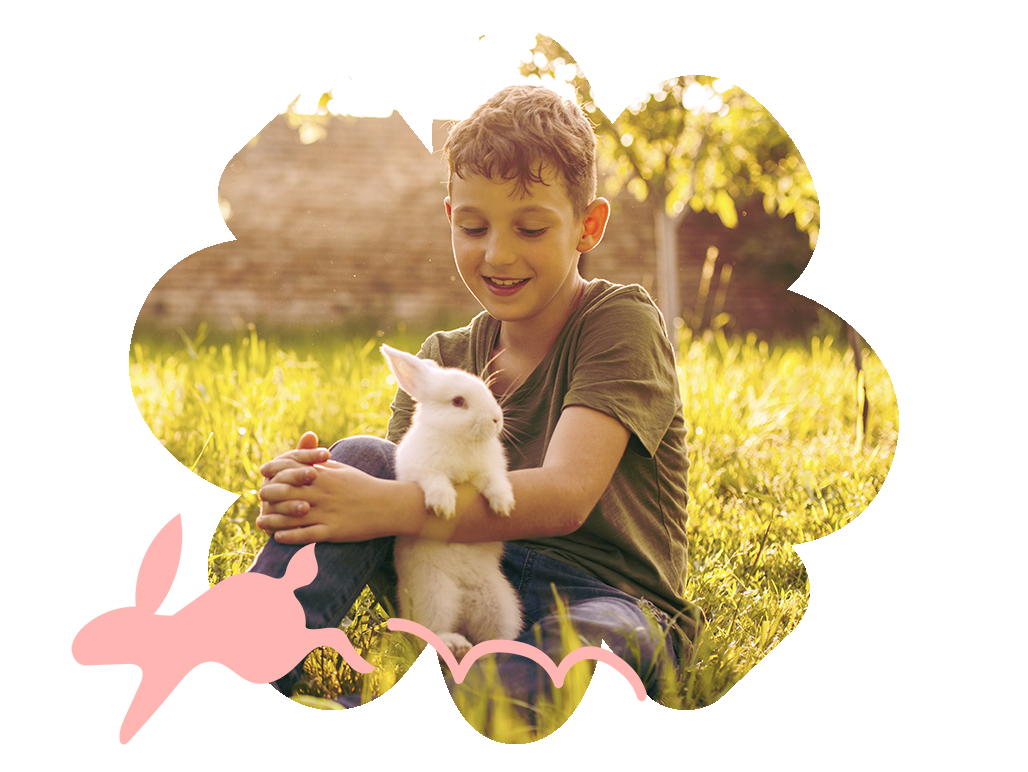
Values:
[(351, 228)]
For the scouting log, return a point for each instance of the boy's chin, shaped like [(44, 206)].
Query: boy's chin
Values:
[(503, 312)]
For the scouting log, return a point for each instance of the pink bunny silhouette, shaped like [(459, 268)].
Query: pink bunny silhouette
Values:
[(166, 659), (251, 613)]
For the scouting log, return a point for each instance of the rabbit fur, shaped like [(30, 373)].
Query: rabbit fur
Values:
[(455, 590)]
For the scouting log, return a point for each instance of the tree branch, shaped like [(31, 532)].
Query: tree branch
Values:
[(607, 124), (704, 139), (692, 186)]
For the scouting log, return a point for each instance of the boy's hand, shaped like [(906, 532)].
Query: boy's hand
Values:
[(292, 469), (306, 497), (307, 452), (329, 502)]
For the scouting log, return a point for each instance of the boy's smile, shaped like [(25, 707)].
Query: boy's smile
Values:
[(517, 251)]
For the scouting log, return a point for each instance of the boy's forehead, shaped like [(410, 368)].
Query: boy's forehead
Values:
[(474, 190)]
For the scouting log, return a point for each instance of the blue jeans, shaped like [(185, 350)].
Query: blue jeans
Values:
[(597, 610)]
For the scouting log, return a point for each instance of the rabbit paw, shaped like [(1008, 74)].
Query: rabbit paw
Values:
[(441, 498), (456, 643), (500, 496)]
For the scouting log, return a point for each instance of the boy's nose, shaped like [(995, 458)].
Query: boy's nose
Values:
[(500, 251)]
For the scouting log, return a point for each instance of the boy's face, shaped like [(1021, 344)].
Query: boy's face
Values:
[(518, 254)]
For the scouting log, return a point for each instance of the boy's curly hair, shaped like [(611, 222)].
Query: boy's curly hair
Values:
[(518, 130)]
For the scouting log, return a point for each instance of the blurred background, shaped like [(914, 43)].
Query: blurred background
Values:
[(336, 207)]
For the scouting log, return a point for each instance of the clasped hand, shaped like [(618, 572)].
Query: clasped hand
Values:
[(306, 497)]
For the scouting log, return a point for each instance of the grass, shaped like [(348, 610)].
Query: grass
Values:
[(778, 457)]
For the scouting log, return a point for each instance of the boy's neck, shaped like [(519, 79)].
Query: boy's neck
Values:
[(523, 344)]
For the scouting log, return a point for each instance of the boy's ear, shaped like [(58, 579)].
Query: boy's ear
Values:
[(449, 211), (594, 222)]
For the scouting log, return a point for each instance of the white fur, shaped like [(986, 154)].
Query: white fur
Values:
[(455, 590)]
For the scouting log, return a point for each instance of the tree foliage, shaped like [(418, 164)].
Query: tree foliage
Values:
[(208, 84), (686, 138), (633, 84), (695, 143)]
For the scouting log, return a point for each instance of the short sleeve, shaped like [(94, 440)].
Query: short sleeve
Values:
[(624, 366)]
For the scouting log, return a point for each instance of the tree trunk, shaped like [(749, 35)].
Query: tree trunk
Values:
[(666, 243), (849, 296)]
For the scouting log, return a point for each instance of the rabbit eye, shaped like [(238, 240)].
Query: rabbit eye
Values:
[(458, 401)]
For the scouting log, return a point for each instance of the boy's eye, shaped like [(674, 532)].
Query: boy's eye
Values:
[(532, 232), (472, 231)]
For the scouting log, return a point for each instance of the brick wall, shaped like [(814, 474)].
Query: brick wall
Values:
[(351, 227)]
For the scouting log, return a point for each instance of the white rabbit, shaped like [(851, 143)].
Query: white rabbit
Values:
[(455, 590)]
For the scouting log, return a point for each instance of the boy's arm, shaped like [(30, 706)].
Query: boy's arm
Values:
[(553, 500)]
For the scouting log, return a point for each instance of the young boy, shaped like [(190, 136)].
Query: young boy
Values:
[(591, 398)]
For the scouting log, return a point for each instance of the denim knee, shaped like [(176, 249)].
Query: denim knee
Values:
[(372, 455), (637, 634)]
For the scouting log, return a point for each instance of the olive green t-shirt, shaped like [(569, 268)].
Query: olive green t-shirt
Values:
[(613, 355)]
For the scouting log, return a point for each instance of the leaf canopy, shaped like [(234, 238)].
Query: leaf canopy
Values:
[(693, 143)]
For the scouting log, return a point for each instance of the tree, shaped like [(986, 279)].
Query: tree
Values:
[(209, 84), (835, 137), (687, 139), (695, 143)]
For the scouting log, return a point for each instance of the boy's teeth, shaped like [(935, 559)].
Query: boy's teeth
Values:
[(506, 282)]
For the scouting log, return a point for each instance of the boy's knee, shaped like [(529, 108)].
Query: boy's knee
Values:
[(635, 631), (372, 455)]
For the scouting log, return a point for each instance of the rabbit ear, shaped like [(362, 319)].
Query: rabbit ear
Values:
[(410, 372), (159, 566)]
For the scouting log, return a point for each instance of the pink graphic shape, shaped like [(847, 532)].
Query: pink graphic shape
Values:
[(166, 659), (609, 712)]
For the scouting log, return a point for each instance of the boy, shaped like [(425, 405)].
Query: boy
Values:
[(587, 378)]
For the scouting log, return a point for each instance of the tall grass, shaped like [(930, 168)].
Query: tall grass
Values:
[(778, 457)]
